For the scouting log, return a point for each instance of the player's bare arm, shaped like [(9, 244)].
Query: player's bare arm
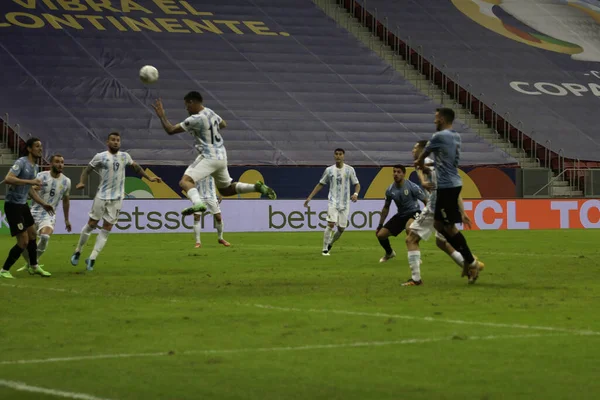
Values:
[(140, 171), (465, 218), (36, 197), (425, 183), (312, 194), (12, 179), (66, 201), (354, 196), (84, 177), (384, 214), (420, 162), (222, 124), (167, 126)]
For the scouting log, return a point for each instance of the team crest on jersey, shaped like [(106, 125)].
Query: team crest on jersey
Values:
[(406, 192), (20, 227), (15, 167)]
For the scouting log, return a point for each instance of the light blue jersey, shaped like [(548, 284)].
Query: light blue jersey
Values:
[(206, 188), (22, 169), (406, 197), (204, 127), (340, 181), (111, 168), (445, 146), (52, 192)]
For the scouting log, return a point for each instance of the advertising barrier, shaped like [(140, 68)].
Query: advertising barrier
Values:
[(162, 216)]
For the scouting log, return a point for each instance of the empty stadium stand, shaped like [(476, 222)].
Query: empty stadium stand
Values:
[(292, 84), (535, 64)]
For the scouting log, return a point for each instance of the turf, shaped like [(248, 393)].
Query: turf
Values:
[(270, 318)]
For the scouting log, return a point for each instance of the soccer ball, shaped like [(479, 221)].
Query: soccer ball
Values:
[(148, 74)]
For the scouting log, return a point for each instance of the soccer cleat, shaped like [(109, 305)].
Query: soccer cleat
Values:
[(264, 189), (325, 252), (472, 271), (224, 242), (39, 271), (329, 246), (387, 257), (198, 245), (24, 267), (89, 264), (6, 275), (412, 282), (75, 258), (200, 207)]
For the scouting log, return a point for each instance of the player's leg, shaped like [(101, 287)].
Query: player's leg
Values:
[(111, 217), (342, 223), (227, 187), (442, 244), (218, 222), (32, 250), (45, 232), (332, 218), (393, 227), (414, 258), (197, 229), (16, 223), (95, 215), (198, 170)]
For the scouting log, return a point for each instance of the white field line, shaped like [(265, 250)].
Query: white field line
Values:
[(427, 319), (23, 387), (271, 349)]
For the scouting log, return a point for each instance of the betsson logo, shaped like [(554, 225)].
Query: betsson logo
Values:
[(155, 220), (312, 220)]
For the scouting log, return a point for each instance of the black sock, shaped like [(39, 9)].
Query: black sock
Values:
[(459, 242), (13, 256), (385, 243), (32, 250)]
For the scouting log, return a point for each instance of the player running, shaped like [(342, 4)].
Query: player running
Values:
[(445, 144), (205, 125), (406, 195), (206, 188), (339, 177), (110, 165), (54, 188)]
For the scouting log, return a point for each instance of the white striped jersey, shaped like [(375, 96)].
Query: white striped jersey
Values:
[(432, 177), (111, 168), (204, 127), (340, 181), (52, 192), (206, 188)]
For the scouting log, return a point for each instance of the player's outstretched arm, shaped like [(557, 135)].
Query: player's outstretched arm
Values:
[(140, 171), (167, 126), (36, 197), (12, 179), (313, 193), (84, 176)]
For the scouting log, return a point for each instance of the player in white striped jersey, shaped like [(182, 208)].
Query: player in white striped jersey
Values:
[(423, 226), (111, 166), (340, 177), (204, 125), (208, 194), (55, 188)]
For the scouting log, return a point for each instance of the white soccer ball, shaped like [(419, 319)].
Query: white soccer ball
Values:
[(148, 74)]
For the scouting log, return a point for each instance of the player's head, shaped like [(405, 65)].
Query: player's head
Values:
[(57, 163), (418, 148), (399, 172), (339, 155), (114, 142), (34, 147), (444, 117), (193, 102)]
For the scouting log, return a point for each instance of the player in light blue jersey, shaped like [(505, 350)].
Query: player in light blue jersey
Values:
[(54, 189), (22, 182), (445, 145), (208, 194), (111, 166), (340, 177), (406, 195), (204, 125)]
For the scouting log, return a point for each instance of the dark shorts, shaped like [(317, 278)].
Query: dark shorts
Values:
[(446, 206), (19, 217), (398, 222)]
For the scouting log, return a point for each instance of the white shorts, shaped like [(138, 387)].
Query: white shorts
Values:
[(107, 210), (423, 225), (212, 206), (339, 217), (44, 221), (203, 167)]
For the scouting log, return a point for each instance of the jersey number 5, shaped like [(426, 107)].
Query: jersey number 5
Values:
[(214, 133)]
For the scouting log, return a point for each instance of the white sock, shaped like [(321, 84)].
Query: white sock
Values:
[(42, 245), (219, 227), (197, 229), (327, 237), (244, 188), (458, 258), (85, 235), (336, 236), (100, 242), (414, 260), (194, 196)]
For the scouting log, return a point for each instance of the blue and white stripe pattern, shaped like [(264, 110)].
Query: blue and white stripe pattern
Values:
[(340, 181), (111, 168), (204, 127)]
